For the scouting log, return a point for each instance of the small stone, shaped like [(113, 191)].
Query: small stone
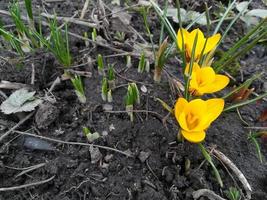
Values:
[(111, 127), (143, 156), (95, 153), (37, 144), (108, 157), (107, 107), (143, 89)]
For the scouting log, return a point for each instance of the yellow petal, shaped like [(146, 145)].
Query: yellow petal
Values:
[(212, 42), (194, 137), (218, 84), (179, 107), (214, 109), (182, 121), (180, 39), (221, 82), (197, 107), (195, 68), (200, 42), (205, 76)]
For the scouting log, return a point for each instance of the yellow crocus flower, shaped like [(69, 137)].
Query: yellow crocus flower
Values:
[(195, 117), (189, 37), (205, 80)]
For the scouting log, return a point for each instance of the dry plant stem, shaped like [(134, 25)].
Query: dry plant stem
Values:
[(85, 6), (13, 85), (256, 128), (30, 169), (69, 19), (56, 82), (235, 170), (75, 143), (33, 75), (16, 126), (26, 185), (206, 193), (136, 111), (104, 45)]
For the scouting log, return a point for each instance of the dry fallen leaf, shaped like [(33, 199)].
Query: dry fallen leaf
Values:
[(263, 116), (241, 95)]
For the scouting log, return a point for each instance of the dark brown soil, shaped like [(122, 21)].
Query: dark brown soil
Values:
[(157, 169)]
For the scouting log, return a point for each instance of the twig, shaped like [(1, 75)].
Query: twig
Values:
[(34, 167), (13, 85), (33, 74), (104, 45), (69, 19), (235, 170), (206, 193), (75, 143), (136, 111), (256, 127), (85, 6), (16, 126), (26, 185), (54, 84)]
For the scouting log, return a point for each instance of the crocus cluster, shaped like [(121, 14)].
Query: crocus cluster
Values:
[(195, 116)]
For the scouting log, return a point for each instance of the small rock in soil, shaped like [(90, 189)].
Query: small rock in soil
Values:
[(37, 144), (143, 156), (107, 107), (96, 155), (46, 115)]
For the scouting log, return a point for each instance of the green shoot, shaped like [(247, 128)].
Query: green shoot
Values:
[(144, 11), (132, 97), (256, 34), (94, 34), (162, 25), (187, 76), (246, 84), (86, 41), (22, 30), (100, 64), (233, 194), (237, 105), (79, 89), (253, 137), (165, 105), (58, 43), (147, 65), (128, 61), (11, 39), (209, 159), (109, 97), (28, 5), (223, 17), (142, 63), (90, 136), (104, 90), (160, 60), (165, 21), (120, 36), (111, 77)]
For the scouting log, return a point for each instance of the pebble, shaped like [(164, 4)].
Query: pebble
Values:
[(37, 144), (143, 89), (107, 107)]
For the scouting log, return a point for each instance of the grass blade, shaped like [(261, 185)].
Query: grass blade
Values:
[(245, 102)]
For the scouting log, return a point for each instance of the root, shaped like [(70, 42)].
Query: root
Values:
[(206, 193)]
